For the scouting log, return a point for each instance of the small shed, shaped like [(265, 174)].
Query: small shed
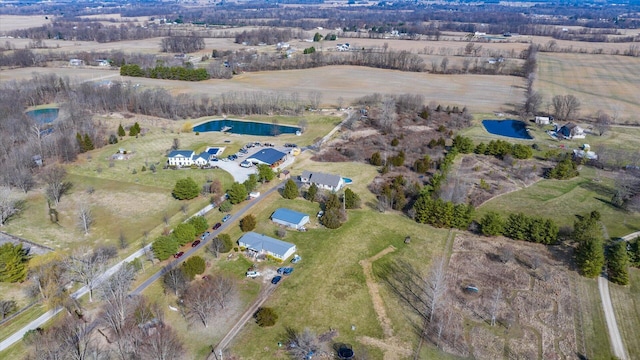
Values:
[(289, 218)]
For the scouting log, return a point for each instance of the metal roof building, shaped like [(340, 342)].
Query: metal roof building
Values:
[(271, 157), (263, 244), (289, 218)]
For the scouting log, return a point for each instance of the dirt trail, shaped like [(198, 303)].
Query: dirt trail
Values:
[(392, 346), (612, 324)]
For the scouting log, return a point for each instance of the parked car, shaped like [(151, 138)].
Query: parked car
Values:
[(253, 274), (195, 243), (280, 270), (204, 236), (177, 255), (217, 226), (287, 270), (226, 217), (296, 259), (320, 213), (276, 279)]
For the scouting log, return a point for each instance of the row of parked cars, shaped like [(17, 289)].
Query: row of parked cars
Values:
[(253, 273), (204, 236)]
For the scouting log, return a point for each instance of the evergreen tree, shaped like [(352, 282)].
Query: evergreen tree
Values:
[(311, 193), (80, 142), (164, 246), (634, 252), (590, 257), (121, 131), (186, 189), (248, 223), (265, 173), (376, 159), (463, 144), (516, 226), (193, 266), (113, 139), (618, 263), (238, 193), (351, 199), (199, 224), (13, 263), (462, 216), (184, 233), (491, 224), (88, 143), (290, 190)]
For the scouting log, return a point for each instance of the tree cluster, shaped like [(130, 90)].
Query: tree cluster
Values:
[(519, 226), (439, 213), (563, 170), (182, 44), (164, 72), (334, 216), (587, 232), (270, 36), (501, 148)]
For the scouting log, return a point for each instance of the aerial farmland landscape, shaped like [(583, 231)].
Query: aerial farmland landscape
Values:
[(312, 179)]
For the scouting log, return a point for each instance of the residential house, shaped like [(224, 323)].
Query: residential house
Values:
[(571, 131), (323, 181), (202, 159), (262, 244), (271, 157), (181, 158), (289, 218), (76, 62)]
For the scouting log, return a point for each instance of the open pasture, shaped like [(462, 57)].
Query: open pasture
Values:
[(16, 22), (600, 82)]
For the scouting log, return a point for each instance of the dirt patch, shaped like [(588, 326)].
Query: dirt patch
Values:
[(534, 315)]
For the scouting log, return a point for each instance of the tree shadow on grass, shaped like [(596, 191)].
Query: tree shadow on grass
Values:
[(598, 188)]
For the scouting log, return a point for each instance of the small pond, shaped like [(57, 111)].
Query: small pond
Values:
[(43, 116), (246, 128), (510, 128)]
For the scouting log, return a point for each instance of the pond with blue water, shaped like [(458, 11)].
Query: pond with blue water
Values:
[(43, 116), (246, 127), (510, 128)]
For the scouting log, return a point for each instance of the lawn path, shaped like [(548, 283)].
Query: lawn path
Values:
[(392, 346), (612, 324)]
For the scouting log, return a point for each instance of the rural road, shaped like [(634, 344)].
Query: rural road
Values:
[(213, 234), (17, 336), (614, 334)]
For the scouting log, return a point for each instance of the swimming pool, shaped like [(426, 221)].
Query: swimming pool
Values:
[(510, 128), (43, 116), (347, 181), (246, 127)]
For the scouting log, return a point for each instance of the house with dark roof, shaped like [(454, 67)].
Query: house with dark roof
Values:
[(202, 159), (181, 158), (289, 218), (570, 131), (329, 182), (268, 156), (263, 244)]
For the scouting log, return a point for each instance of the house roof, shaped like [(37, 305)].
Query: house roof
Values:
[(259, 242), (185, 153), (288, 215), (268, 156), (204, 155), (322, 178)]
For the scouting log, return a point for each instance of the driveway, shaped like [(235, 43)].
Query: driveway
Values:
[(241, 174)]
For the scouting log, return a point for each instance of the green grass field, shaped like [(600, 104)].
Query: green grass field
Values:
[(592, 330), (563, 199), (626, 304)]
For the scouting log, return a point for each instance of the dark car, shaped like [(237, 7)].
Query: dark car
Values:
[(177, 255), (217, 226), (195, 243), (276, 279), (287, 270), (280, 270)]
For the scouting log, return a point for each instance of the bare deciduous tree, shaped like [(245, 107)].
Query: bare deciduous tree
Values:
[(565, 107), (301, 344), (603, 122), (48, 280), (175, 280), (200, 301), (56, 186), (85, 267), (505, 253), (114, 291), (163, 345), (216, 246), (9, 205), (437, 285), (315, 97), (223, 290), (85, 218), (495, 306)]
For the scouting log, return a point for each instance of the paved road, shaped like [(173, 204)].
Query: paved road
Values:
[(612, 325), (17, 336), (614, 333), (213, 234)]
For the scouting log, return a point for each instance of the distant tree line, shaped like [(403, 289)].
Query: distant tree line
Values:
[(265, 36), (165, 72), (182, 44), (520, 227)]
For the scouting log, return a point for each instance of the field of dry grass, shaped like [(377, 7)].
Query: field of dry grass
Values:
[(15, 22), (600, 82)]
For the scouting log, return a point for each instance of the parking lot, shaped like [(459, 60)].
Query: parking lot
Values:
[(241, 174)]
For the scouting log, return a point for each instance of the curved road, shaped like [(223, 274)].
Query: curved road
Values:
[(17, 336), (614, 334)]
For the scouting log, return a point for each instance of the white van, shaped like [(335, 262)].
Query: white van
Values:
[(253, 274)]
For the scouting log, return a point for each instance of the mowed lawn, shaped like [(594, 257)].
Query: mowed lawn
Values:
[(626, 304), (600, 82), (562, 200), (328, 288)]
